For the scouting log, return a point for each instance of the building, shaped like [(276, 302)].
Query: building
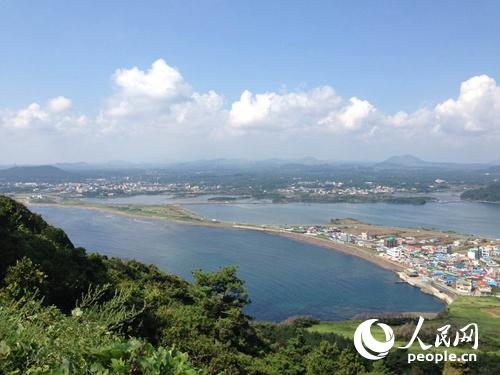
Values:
[(390, 241), (463, 286), (473, 254), (394, 252)]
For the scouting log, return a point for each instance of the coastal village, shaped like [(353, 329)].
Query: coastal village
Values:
[(443, 265)]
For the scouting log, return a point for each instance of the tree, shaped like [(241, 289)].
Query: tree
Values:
[(323, 360), (24, 278), (221, 291), (349, 364)]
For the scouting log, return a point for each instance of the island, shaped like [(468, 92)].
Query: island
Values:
[(490, 193)]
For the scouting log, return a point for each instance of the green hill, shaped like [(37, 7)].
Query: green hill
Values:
[(36, 173)]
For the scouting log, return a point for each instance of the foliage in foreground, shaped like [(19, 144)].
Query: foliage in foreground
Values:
[(38, 340)]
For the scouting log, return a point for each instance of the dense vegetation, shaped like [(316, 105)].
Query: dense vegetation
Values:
[(63, 311), (369, 198), (490, 193)]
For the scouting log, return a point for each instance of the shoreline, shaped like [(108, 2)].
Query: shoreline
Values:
[(376, 260), (346, 249)]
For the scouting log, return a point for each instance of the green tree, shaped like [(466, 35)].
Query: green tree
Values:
[(323, 360), (221, 291), (349, 364), (24, 278)]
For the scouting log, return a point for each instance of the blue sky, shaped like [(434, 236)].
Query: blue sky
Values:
[(398, 56)]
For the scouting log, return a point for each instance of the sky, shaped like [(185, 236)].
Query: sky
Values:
[(156, 81)]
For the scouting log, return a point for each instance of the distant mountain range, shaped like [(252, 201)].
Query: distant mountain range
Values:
[(68, 171)]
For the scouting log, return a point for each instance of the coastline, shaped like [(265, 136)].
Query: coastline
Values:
[(377, 260), (347, 249)]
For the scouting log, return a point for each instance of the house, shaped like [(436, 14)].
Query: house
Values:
[(463, 286), (394, 252), (484, 288), (473, 254)]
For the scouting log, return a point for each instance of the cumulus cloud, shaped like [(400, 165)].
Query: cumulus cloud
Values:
[(158, 99), (292, 111), (159, 103), (319, 110), (350, 117), (52, 117), (25, 117), (59, 104), (160, 81), (476, 110)]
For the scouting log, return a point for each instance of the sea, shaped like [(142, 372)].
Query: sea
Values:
[(284, 277)]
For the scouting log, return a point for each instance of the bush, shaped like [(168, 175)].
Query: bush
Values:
[(35, 339)]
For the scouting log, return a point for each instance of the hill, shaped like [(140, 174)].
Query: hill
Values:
[(36, 173), (404, 161), (490, 193), (412, 162)]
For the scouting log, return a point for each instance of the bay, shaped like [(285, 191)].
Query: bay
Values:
[(481, 219), (284, 277)]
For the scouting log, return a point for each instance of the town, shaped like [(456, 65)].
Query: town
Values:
[(443, 265), (320, 191)]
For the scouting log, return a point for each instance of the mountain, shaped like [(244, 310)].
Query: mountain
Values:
[(404, 161), (36, 173), (43, 277), (410, 161)]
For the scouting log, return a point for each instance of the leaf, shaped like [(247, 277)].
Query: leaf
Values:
[(4, 350)]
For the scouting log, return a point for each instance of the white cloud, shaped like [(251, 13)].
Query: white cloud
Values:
[(318, 110), (160, 81), (159, 100), (351, 116), (59, 104), (25, 117), (477, 109), (293, 110), (158, 104), (53, 118)]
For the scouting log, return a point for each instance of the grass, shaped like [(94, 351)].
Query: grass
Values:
[(465, 310), (485, 311), (169, 212), (346, 328)]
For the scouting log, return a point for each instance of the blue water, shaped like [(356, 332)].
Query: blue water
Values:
[(284, 277), (463, 217), (449, 213)]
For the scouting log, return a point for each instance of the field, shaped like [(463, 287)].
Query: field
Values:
[(167, 212)]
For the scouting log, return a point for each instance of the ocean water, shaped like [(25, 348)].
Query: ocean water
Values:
[(463, 217), (284, 277), (448, 213)]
